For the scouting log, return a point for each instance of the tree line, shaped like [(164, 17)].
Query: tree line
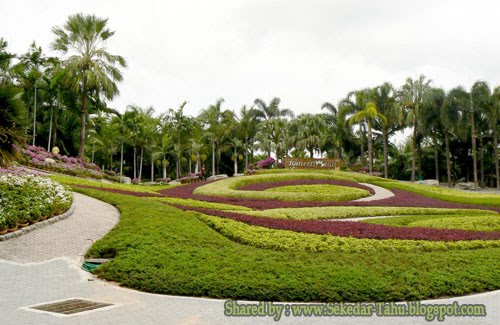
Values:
[(61, 101)]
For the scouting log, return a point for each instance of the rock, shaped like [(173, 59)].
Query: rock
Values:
[(174, 183), (465, 186), (49, 161), (125, 180), (217, 177), (433, 182), (238, 175), (106, 181)]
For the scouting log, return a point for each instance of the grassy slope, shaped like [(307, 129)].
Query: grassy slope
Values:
[(162, 249)]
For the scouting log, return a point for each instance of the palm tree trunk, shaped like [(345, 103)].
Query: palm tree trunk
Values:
[(473, 135), (495, 156), (414, 151), (54, 137), (448, 164), (135, 162), (140, 164), (362, 144), (197, 166), (235, 161), (436, 159), (213, 158), (50, 126), (481, 157), (34, 118), (311, 152), (121, 160), (152, 168), (386, 141), (164, 165), (81, 149), (370, 149)]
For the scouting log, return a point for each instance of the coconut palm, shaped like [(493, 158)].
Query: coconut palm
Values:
[(411, 98), (90, 66), (248, 124)]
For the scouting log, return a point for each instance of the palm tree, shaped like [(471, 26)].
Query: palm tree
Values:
[(494, 117), (179, 124), (410, 101), (248, 124), (5, 62), (332, 123), (480, 98), (12, 121), (369, 114), (310, 132), (267, 111), (90, 66), (353, 103)]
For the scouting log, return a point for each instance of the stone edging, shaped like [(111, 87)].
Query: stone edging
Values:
[(39, 224)]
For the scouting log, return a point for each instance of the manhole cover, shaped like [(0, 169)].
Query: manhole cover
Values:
[(70, 306)]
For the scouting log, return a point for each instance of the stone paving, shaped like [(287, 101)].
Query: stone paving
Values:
[(44, 266), (380, 193)]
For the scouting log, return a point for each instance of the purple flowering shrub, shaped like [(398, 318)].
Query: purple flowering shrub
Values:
[(38, 157), (266, 163)]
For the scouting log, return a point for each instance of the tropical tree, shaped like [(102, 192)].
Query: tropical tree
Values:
[(411, 98), (480, 99), (248, 125), (90, 66), (369, 114), (12, 122), (494, 118), (268, 111), (311, 129)]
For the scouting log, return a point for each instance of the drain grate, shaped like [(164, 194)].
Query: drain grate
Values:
[(70, 306)]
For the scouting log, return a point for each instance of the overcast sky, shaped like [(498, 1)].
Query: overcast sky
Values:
[(305, 52)]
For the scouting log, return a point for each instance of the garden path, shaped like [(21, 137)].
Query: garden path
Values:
[(380, 193)]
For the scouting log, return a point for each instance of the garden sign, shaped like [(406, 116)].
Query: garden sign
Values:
[(312, 163)]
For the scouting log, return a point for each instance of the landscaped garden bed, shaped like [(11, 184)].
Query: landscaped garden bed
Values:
[(270, 249), (27, 199)]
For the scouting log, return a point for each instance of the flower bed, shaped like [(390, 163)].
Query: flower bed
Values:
[(355, 229), (285, 240), (38, 157), (28, 199)]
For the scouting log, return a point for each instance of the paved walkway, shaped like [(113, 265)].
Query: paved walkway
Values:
[(34, 272), (380, 193)]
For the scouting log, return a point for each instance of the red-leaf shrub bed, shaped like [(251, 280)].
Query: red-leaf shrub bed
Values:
[(267, 185), (400, 199), (353, 228)]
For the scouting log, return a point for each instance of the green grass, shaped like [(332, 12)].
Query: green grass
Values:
[(158, 248)]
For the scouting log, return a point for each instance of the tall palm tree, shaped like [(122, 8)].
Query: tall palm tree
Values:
[(411, 97), (480, 98), (180, 127), (494, 117), (369, 114), (248, 124), (90, 66), (310, 132), (332, 122), (353, 103), (267, 111)]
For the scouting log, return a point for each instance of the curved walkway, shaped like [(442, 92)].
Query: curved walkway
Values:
[(70, 237), (51, 272), (380, 193)]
